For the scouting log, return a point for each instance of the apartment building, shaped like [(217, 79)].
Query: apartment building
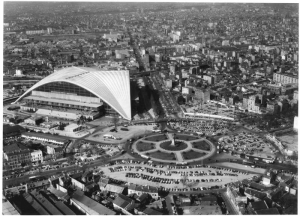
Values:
[(284, 78), (16, 156)]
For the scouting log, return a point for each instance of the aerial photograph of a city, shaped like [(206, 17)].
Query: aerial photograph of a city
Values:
[(150, 108)]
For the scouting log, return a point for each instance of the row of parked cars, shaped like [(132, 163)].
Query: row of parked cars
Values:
[(139, 168), (190, 189), (152, 178)]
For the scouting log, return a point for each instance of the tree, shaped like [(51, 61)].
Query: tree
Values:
[(71, 158), (180, 100)]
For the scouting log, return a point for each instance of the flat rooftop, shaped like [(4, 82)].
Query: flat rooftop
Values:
[(46, 136), (76, 103), (72, 126), (62, 110)]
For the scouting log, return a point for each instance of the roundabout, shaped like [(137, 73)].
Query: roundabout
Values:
[(174, 148), (167, 145)]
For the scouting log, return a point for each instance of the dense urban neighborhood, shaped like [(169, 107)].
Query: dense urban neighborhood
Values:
[(149, 108)]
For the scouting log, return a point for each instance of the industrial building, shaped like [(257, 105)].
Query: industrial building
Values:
[(80, 91)]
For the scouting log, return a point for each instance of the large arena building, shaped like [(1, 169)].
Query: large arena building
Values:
[(80, 91)]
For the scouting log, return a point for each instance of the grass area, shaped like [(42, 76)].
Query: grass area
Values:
[(202, 144), (157, 138), (141, 146), (185, 137), (162, 155), (192, 155), (178, 146)]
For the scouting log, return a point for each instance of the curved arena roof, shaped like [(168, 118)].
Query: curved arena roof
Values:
[(113, 87)]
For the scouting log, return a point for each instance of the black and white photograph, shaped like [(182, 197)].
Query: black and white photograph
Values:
[(150, 107)]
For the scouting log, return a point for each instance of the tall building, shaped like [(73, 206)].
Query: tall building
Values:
[(284, 78), (16, 156), (78, 91)]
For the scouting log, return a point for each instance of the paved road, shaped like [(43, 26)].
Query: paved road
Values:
[(49, 173), (17, 181)]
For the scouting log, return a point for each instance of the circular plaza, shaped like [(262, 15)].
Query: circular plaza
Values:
[(174, 148)]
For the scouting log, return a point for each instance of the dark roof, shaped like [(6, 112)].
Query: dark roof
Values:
[(149, 211), (119, 201), (209, 198), (259, 205), (143, 197), (270, 211), (38, 207), (97, 207), (45, 203), (12, 129), (255, 193), (268, 201), (146, 189), (257, 186), (15, 147), (76, 175)]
